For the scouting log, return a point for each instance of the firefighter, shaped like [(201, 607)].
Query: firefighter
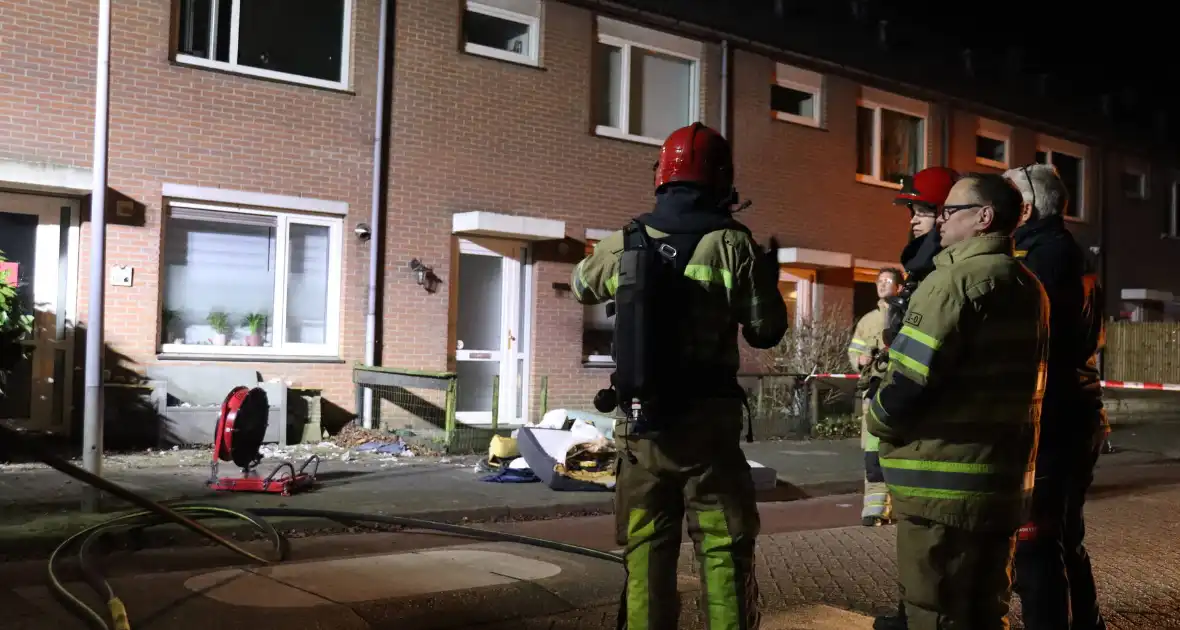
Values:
[(686, 458), (924, 195), (862, 350), (1053, 573), (957, 414)]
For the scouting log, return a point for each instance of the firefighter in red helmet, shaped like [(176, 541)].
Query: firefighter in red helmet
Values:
[(924, 194), (679, 442)]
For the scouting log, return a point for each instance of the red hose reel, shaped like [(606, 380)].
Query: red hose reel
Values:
[(241, 428)]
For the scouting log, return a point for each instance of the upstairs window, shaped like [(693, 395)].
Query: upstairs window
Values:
[(992, 144), (797, 95), (646, 83), (509, 30), (301, 41), (1134, 184), (1069, 161), (890, 137)]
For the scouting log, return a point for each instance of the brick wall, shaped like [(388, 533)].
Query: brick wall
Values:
[(189, 126), (467, 133)]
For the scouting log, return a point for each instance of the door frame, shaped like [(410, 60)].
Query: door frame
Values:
[(805, 296), (59, 221), (517, 275)]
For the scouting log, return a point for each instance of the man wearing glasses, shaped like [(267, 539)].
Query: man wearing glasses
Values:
[(1053, 573), (957, 413)]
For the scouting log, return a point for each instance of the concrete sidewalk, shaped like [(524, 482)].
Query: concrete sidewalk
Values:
[(39, 506)]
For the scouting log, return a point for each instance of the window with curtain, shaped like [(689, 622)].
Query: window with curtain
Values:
[(246, 282)]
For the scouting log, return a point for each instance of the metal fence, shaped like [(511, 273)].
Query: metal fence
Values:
[(420, 405), (1143, 352)]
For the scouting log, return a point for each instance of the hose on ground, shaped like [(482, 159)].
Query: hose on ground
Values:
[(187, 516)]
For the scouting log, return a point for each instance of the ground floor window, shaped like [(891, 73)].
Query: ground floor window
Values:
[(250, 282)]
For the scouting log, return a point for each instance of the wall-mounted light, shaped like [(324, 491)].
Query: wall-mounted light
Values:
[(362, 231), (425, 276)]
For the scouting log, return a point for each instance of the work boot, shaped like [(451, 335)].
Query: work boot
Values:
[(873, 521), (892, 622)]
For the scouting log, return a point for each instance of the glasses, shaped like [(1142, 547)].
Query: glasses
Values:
[(947, 211)]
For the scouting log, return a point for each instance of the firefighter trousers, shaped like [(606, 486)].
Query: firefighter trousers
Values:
[(696, 470), (954, 579), (876, 499), (1053, 574)]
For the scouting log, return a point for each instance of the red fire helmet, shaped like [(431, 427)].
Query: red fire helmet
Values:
[(928, 187), (696, 154)]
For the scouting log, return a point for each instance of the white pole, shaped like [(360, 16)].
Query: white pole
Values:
[(92, 450), (376, 237)]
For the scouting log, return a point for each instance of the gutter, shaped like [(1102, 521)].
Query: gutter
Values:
[(377, 212)]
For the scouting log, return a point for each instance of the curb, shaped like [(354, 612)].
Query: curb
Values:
[(41, 543)]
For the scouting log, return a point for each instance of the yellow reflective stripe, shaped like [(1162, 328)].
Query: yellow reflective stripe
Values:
[(612, 284), (908, 363), (1020, 253), (719, 571), (872, 443), (920, 337), (580, 284), (930, 493), (705, 273), (638, 569), (952, 467)]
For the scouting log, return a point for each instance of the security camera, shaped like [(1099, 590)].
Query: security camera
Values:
[(362, 231)]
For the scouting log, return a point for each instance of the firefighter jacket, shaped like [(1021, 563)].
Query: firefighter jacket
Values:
[(739, 285), (958, 410), (1073, 391), (867, 336)]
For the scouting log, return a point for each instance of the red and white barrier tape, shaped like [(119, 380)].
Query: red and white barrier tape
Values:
[(1165, 387)]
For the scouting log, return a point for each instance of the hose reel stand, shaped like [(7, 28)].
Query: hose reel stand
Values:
[(238, 437)]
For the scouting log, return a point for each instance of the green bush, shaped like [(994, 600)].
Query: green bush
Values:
[(836, 428), (15, 325)]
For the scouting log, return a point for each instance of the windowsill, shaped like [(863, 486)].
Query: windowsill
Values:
[(991, 163), (873, 181), (189, 61), (258, 357), (615, 134), (484, 52), (598, 361), (798, 120)]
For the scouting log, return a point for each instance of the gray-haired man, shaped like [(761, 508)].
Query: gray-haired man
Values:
[(1053, 574)]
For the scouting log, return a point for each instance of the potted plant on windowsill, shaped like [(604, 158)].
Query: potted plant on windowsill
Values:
[(256, 322), (16, 325), (220, 323), (170, 317)]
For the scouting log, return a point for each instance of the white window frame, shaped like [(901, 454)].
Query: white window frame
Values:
[(804, 81), (626, 45), (532, 58), (233, 66), (1142, 193), (1174, 210), (1050, 145), (279, 349), (995, 131), (877, 101)]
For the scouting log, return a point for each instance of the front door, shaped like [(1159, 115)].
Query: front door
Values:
[(39, 239), (492, 331)]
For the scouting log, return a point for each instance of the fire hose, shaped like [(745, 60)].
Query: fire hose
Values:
[(188, 516)]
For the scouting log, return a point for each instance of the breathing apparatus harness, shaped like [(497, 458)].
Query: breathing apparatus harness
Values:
[(647, 383)]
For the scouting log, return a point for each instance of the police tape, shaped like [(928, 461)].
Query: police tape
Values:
[(1165, 387)]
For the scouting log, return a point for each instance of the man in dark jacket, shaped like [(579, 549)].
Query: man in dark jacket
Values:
[(1053, 574)]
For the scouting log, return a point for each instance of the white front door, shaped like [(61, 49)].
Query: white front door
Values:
[(492, 331), (39, 239)]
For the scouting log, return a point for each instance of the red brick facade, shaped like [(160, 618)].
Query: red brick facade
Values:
[(467, 133)]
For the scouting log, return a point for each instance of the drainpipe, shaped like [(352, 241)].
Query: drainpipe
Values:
[(376, 234), (92, 419), (725, 88)]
